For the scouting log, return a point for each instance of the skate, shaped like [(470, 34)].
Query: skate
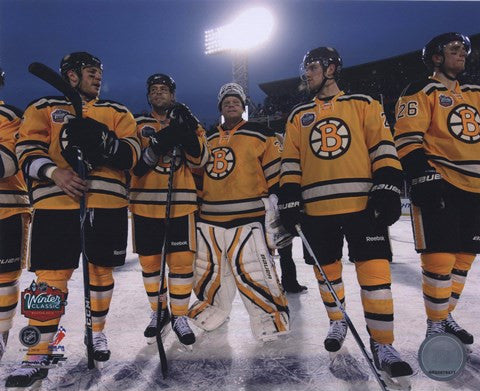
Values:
[(293, 286), (27, 374), (435, 327), (150, 332), (453, 328), (101, 354), (388, 361), (336, 335), (3, 343), (181, 327)]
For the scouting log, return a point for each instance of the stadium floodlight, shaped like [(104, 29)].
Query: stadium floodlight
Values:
[(248, 30)]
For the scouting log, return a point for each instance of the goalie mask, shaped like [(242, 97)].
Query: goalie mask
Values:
[(77, 61), (437, 45), (231, 89)]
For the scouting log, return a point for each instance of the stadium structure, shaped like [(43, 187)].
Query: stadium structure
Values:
[(383, 79)]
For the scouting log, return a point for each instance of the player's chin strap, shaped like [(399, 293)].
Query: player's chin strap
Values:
[(322, 84), (444, 72)]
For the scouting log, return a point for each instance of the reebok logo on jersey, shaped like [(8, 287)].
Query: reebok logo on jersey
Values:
[(180, 243), (119, 252), (375, 238)]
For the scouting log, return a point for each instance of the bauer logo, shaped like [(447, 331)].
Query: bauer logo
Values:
[(42, 302), (445, 101), (59, 116), (307, 119)]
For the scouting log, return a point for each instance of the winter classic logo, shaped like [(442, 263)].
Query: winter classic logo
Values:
[(42, 302), (464, 123), (307, 119), (60, 116), (330, 138), (445, 101)]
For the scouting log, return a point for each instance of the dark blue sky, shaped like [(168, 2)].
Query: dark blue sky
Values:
[(135, 38)]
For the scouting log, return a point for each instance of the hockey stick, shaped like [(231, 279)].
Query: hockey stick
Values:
[(56, 81), (165, 247), (352, 328)]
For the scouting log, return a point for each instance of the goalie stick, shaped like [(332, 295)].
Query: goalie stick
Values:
[(48, 75)]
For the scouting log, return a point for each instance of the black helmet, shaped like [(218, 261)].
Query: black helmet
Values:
[(78, 60), (2, 77), (436, 45), (160, 78), (325, 56)]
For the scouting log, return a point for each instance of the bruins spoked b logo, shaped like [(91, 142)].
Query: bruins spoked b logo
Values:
[(221, 163), (163, 166), (464, 123), (330, 138)]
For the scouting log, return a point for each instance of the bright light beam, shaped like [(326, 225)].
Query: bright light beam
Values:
[(250, 29)]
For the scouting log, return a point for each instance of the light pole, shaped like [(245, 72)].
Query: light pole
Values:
[(248, 30)]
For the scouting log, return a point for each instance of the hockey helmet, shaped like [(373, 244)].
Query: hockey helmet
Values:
[(77, 61), (438, 43), (231, 89), (325, 56), (2, 77), (160, 78)]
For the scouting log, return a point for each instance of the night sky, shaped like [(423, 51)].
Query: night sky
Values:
[(135, 38)]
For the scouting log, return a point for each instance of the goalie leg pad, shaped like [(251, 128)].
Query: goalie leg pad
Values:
[(214, 283), (257, 281)]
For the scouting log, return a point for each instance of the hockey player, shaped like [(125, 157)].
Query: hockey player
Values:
[(46, 149), (437, 135), (14, 218), (340, 165), (232, 251), (169, 124)]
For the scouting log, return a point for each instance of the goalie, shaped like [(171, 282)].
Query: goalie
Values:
[(239, 185)]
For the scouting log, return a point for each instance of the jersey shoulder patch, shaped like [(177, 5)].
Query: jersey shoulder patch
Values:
[(10, 112), (470, 87), (355, 97), (110, 103), (299, 108), (426, 85)]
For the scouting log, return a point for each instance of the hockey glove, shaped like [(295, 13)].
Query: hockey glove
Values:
[(289, 206), (426, 185), (182, 118), (96, 141), (277, 235), (384, 197), (426, 190), (164, 140)]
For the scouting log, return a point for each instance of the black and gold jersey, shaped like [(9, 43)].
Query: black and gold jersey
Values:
[(332, 148), (243, 168), (13, 191), (41, 141), (148, 194), (446, 124)]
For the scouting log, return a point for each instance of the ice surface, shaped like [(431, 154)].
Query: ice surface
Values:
[(230, 359)]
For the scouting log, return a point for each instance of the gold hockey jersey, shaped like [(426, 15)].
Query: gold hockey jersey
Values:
[(332, 148), (13, 191), (243, 168), (446, 124), (41, 140), (148, 194)]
